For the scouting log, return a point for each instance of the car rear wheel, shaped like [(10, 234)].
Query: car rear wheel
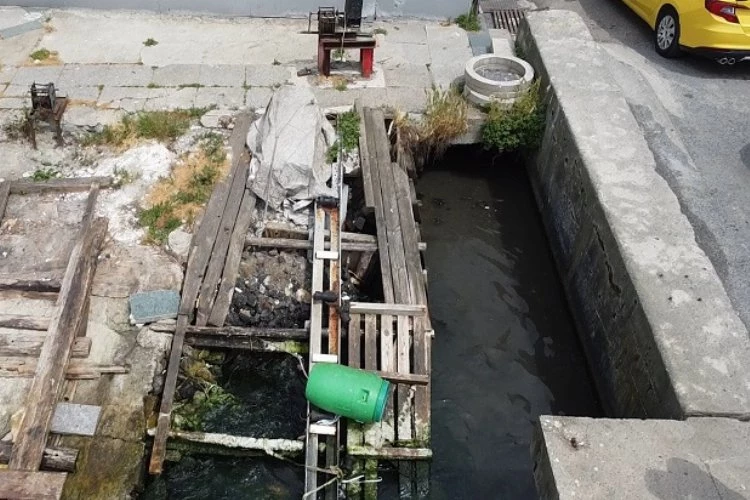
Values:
[(667, 33)]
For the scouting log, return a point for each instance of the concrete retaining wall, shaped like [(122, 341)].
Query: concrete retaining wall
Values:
[(260, 8), (659, 331)]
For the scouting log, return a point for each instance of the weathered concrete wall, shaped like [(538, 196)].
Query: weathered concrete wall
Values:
[(659, 331), (392, 8), (584, 458)]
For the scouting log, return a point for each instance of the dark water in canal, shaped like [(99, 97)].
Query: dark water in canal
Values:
[(505, 348)]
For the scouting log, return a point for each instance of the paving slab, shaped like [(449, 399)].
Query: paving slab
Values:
[(224, 97), (146, 307), (75, 419), (174, 75), (258, 97), (12, 103), (408, 75), (585, 458), (15, 51), (257, 75), (116, 75), (447, 75), (401, 32), (396, 54), (175, 99), (447, 44), (16, 91), (92, 117), (88, 94), (7, 73), (410, 100), (82, 75), (27, 75), (128, 75), (13, 16), (222, 75)]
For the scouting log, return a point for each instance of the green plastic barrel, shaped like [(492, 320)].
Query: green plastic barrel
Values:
[(349, 392)]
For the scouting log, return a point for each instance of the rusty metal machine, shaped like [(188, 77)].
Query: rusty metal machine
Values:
[(47, 106)]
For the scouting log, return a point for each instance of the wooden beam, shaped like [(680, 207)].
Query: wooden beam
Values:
[(21, 322), (394, 309), (247, 343), (59, 185), (405, 378), (268, 445), (31, 439), (54, 459), (30, 344), (299, 334), (4, 194), (49, 285), (234, 254), (159, 449), (390, 453), (28, 485), (76, 370), (365, 158)]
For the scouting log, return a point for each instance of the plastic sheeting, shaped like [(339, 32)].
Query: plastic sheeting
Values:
[(289, 145)]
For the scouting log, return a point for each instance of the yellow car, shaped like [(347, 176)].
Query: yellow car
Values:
[(716, 28)]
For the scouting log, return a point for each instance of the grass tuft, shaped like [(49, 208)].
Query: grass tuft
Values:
[(179, 198), (150, 42), (469, 21), (40, 55), (163, 126), (445, 118), (45, 174), (348, 131), (517, 126)]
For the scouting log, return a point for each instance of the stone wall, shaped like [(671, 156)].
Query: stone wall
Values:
[(657, 326)]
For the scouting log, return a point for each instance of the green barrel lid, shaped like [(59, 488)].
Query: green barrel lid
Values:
[(377, 412)]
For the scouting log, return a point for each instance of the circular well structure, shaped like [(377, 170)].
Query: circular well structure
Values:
[(492, 77)]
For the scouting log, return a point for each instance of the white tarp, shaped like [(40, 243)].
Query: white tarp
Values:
[(289, 145)]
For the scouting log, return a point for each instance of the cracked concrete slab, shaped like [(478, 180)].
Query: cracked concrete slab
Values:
[(257, 75), (223, 97), (27, 75), (222, 75), (174, 75)]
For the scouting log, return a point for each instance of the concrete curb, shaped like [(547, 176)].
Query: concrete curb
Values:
[(657, 325)]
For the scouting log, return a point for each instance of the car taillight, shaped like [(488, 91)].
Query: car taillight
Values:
[(724, 10)]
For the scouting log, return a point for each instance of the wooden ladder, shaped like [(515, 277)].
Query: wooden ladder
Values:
[(326, 248)]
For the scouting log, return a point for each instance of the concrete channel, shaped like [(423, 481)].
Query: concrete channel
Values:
[(661, 336)]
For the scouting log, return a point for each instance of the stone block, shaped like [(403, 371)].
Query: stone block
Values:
[(222, 75), (222, 97), (268, 76), (408, 75), (82, 75), (175, 75), (502, 42), (16, 91), (13, 103), (128, 75), (146, 307), (7, 73), (447, 75), (26, 75), (90, 94), (174, 99), (406, 99), (584, 458), (75, 419)]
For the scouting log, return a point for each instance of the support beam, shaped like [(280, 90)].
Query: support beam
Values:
[(390, 453), (54, 459), (50, 285), (31, 485), (59, 185), (21, 322)]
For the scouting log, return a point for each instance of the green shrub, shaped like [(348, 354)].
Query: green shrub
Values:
[(348, 131), (518, 126), (469, 21)]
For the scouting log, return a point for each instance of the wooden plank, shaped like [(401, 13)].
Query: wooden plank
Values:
[(394, 309), (22, 322), (380, 224), (26, 367), (231, 266), (30, 344), (371, 342), (391, 453), (405, 378), (210, 285), (54, 459), (297, 334), (44, 286), (43, 394), (304, 234), (292, 244), (59, 185), (365, 158), (239, 442), (384, 175), (253, 344), (354, 339), (4, 194), (388, 364), (404, 395), (28, 485), (311, 460), (334, 279), (422, 366), (159, 449)]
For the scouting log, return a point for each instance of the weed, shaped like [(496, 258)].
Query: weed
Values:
[(160, 125), (518, 126), (190, 86), (45, 174), (380, 31), (150, 42), (18, 128), (276, 62), (100, 87), (469, 21), (153, 85), (348, 132), (177, 200), (340, 84), (40, 55), (445, 118)]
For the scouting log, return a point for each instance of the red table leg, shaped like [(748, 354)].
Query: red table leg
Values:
[(365, 58)]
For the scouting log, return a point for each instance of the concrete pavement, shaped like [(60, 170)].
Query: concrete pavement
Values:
[(693, 113), (228, 63)]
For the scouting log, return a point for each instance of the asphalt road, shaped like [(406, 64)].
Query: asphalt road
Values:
[(695, 115)]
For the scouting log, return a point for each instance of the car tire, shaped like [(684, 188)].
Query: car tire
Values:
[(667, 33)]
